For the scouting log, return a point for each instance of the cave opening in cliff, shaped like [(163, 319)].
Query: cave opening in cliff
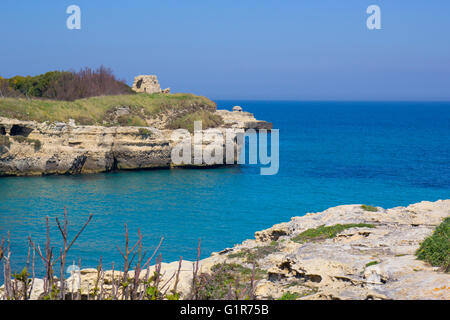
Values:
[(139, 84), (2, 131), (18, 130)]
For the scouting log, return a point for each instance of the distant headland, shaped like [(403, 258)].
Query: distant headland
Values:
[(89, 122)]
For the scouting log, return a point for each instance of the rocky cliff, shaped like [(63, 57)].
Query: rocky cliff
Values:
[(346, 252), (36, 148)]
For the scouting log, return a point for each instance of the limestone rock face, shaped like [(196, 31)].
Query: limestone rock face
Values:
[(69, 149), (31, 148), (243, 120), (64, 149)]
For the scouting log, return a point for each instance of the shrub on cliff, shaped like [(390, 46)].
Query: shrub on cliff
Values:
[(65, 85), (436, 248), (228, 281), (131, 121), (144, 133), (6, 90), (186, 121)]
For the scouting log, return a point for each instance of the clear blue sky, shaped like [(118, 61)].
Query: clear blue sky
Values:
[(246, 49)]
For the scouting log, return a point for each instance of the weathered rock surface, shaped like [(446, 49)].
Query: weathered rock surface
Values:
[(242, 120), (69, 149), (339, 268)]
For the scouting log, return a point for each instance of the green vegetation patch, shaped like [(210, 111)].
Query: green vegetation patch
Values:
[(98, 110), (144, 133), (372, 263), (369, 208), (255, 254), (296, 295), (21, 276), (436, 248), (186, 121), (290, 296), (131, 120), (227, 278), (323, 232)]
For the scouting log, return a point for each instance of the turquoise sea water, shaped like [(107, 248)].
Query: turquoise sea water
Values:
[(331, 153)]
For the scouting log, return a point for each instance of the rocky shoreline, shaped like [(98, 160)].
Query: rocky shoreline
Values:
[(373, 260), (30, 148), (365, 253)]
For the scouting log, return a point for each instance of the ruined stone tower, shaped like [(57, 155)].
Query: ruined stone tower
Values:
[(148, 84)]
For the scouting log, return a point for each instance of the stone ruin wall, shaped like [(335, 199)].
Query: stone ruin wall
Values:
[(148, 84)]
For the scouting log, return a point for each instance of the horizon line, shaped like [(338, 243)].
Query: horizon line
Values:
[(325, 100)]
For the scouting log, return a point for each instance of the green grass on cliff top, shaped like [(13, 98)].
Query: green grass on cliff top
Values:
[(323, 232), (186, 121), (95, 110)]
